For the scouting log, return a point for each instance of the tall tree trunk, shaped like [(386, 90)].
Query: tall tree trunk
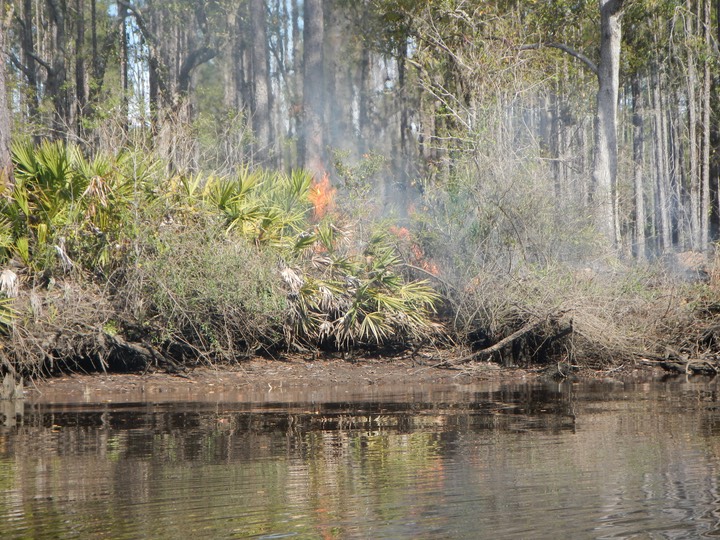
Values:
[(230, 87), (313, 88), (28, 58), (340, 61), (677, 172), (296, 89), (661, 170), (94, 36), (243, 60), (5, 119), (57, 70), (638, 172), (280, 82), (606, 147), (553, 108), (262, 126), (364, 92), (80, 87), (124, 84), (691, 79), (102, 54), (155, 81), (707, 89), (403, 158)]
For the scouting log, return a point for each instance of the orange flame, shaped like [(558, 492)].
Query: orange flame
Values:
[(401, 232), (322, 197), (418, 255)]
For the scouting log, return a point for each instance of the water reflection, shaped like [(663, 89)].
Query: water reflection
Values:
[(11, 412), (582, 461)]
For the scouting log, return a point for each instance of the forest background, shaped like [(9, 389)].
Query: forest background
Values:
[(501, 164)]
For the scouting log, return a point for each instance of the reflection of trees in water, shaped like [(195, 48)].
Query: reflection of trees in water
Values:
[(11, 412), (353, 465), (136, 455)]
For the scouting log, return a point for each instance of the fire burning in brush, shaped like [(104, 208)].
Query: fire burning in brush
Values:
[(322, 197), (417, 255)]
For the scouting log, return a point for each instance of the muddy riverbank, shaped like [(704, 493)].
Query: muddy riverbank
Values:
[(264, 377)]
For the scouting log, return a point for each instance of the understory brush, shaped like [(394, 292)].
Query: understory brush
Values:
[(109, 264), (527, 279), (345, 295), (191, 268), (205, 294), (589, 318), (59, 326)]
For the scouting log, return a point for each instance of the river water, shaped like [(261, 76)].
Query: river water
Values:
[(589, 460)]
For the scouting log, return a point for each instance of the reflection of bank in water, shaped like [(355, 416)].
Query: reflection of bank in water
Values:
[(11, 412), (11, 401)]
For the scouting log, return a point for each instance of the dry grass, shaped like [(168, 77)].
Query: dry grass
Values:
[(616, 316), (57, 327)]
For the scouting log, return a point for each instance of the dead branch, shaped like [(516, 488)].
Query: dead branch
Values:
[(506, 341), (566, 49), (144, 353)]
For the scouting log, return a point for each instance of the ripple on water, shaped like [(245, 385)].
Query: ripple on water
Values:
[(517, 462)]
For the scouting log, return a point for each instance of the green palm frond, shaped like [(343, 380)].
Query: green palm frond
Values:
[(327, 235), (60, 192), (419, 293), (357, 305), (190, 185), (244, 217), (300, 182), (247, 181), (22, 249), (6, 238), (24, 161), (21, 198), (220, 192), (8, 313), (289, 193), (303, 241), (375, 327)]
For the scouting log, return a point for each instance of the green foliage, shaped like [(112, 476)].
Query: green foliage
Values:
[(213, 292), (268, 208), (198, 257), (359, 176), (62, 201), (8, 313), (356, 297)]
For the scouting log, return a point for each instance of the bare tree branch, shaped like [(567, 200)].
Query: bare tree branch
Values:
[(155, 59), (40, 61), (194, 59), (19, 65), (565, 48)]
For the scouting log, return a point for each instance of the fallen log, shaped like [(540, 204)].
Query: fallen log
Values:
[(528, 328), (674, 362), (140, 354)]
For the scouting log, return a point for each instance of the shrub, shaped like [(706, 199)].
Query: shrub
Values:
[(65, 209), (198, 288)]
